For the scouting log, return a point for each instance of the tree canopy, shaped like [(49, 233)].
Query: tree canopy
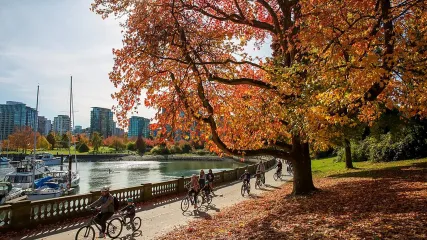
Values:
[(332, 63)]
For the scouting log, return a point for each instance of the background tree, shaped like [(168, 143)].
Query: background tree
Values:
[(96, 141), (331, 61), (42, 143), (140, 145), (65, 140), (51, 139), (22, 138)]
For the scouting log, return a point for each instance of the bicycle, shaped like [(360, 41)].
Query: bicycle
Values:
[(258, 182), (246, 187), (89, 231), (289, 168), (277, 175), (136, 222), (206, 198), (185, 203)]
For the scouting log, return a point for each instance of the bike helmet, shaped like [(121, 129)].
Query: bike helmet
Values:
[(246, 170), (130, 200), (105, 189)]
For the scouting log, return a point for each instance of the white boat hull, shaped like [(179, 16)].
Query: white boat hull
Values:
[(44, 195), (75, 181)]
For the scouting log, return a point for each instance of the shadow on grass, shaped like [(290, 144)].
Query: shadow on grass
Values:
[(415, 171), (384, 207)]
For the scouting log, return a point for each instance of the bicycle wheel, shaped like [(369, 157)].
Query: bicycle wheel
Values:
[(137, 223), (257, 184), (275, 176), (86, 233), (199, 201), (114, 227), (208, 199), (248, 188), (242, 190), (185, 203)]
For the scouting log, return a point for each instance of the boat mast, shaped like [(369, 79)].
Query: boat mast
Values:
[(69, 139), (72, 106), (35, 136)]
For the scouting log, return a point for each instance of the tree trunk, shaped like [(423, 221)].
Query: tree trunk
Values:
[(348, 161), (303, 180)]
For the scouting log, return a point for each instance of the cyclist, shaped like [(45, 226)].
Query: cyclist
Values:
[(202, 179), (261, 170), (206, 189), (246, 177), (279, 168), (130, 212), (194, 188), (106, 206), (210, 177)]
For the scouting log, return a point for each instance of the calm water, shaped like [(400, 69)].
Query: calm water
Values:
[(94, 175)]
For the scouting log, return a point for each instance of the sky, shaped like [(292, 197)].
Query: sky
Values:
[(45, 42)]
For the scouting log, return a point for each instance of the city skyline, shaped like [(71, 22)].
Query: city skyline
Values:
[(45, 43)]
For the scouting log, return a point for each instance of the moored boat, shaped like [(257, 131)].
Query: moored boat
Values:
[(22, 177), (4, 161)]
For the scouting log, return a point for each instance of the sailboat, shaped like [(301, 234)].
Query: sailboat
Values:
[(42, 191), (69, 179), (74, 177)]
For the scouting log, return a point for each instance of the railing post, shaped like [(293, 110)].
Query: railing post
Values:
[(221, 176), (21, 214), (148, 195), (181, 187)]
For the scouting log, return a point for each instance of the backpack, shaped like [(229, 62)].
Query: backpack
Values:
[(116, 204)]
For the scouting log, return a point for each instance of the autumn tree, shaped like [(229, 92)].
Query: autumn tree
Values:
[(331, 63), (65, 140), (51, 139), (22, 138), (141, 146), (96, 141), (42, 143)]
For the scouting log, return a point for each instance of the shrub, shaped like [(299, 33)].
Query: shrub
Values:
[(174, 149), (159, 150), (82, 148), (131, 146), (186, 147)]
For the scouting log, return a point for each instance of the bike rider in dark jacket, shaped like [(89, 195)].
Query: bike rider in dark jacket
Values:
[(246, 176), (279, 166), (106, 206)]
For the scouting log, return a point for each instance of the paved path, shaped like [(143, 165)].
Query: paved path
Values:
[(165, 216)]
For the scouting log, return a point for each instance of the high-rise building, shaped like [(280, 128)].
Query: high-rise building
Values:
[(78, 129), (61, 124), (15, 115), (139, 126), (101, 121), (44, 126)]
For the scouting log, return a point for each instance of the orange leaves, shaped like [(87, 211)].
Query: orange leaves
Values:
[(329, 59), (386, 203)]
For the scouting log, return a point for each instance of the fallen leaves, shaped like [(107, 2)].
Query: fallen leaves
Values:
[(353, 206)]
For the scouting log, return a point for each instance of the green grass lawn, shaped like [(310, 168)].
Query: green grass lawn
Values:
[(327, 167)]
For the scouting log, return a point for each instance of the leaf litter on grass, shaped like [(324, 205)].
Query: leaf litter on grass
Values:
[(391, 206)]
